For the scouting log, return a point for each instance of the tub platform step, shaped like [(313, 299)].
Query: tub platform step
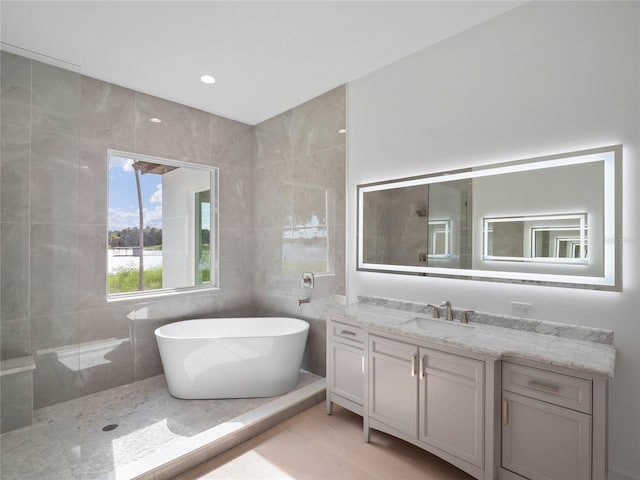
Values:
[(177, 459)]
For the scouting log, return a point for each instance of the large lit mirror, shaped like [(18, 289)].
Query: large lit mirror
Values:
[(162, 231), (550, 220)]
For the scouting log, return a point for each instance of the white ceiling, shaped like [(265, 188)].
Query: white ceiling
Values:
[(267, 56)]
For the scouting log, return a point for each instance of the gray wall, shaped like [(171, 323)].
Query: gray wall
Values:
[(56, 128), (544, 78), (299, 153)]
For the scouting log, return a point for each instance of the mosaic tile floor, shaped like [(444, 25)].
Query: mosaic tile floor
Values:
[(67, 440)]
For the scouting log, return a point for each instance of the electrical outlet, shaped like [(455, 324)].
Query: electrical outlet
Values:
[(521, 309)]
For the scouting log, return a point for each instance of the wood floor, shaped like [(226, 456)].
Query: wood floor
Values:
[(314, 445)]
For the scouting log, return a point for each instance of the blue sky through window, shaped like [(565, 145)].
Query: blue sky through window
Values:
[(123, 196)]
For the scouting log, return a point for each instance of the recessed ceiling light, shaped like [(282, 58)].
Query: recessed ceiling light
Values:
[(155, 120), (342, 130), (208, 79)]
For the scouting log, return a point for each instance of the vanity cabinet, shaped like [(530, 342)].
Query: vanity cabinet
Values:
[(345, 366), (494, 416), (546, 424), (432, 398)]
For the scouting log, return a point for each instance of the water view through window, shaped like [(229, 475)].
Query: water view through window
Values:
[(160, 225)]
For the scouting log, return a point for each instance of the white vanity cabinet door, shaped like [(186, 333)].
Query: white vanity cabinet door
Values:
[(452, 404), (347, 375), (345, 366), (541, 441), (393, 384)]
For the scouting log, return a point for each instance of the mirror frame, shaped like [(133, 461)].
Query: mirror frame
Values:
[(610, 280)]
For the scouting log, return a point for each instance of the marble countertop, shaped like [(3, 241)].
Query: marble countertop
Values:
[(484, 339)]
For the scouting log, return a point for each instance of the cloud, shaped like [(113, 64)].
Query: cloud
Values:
[(120, 162), (120, 218), (156, 197), (153, 218)]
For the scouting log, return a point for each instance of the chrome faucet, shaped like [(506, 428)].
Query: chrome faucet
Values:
[(464, 318), (447, 304), (436, 311)]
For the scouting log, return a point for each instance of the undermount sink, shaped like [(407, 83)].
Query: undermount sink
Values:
[(437, 326)]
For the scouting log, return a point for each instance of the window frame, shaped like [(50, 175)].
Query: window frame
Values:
[(214, 283)]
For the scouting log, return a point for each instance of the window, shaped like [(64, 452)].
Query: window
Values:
[(162, 225)]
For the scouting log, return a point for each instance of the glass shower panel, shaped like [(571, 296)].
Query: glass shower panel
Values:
[(48, 232)]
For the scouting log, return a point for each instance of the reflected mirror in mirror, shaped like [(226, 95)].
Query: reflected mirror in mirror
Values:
[(161, 225), (551, 239), (550, 220)]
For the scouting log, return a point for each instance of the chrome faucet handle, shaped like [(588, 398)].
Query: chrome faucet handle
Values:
[(447, 305), (464, 318), (436, 311)]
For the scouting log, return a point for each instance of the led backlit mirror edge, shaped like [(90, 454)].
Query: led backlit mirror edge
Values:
[(610, 280)]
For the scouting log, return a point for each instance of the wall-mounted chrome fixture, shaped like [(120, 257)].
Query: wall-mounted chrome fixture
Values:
[(308, 280), (303, 300)]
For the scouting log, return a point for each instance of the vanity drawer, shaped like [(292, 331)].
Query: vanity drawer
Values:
[(352, 334), (562, 390)]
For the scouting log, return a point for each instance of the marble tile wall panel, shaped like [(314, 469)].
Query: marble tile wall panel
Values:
[(14, 270), (67, 268), (315, 124), (326, 171), (299, 184), (14, 338), (107, 113), (55, 178), (55, 99), (16, 393), (268, 272), (14, 165), (15, 89), (105, 365), (183, 134), (57, 377), (149, 315), (236, 197), (236, 260), (274, 195), (314, 313), (231, 143), (55, 331), (92, 182), (273, 140)]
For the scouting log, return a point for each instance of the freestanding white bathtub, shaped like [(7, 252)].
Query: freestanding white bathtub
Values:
[(232, 357)]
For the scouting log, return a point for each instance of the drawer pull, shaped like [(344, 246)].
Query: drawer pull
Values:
[(413, 366), (505, 412), (347, 332), (545, 387)]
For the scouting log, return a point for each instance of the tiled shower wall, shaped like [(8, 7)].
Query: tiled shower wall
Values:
[(56, 128), (299, 181)]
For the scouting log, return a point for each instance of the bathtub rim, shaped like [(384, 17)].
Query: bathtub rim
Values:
[(303, 329)]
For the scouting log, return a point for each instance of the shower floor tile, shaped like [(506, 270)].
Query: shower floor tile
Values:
[(67, 441)]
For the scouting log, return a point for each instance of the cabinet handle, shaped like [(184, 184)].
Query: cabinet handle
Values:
[(347, 332), (413, 366), (421, 367), (505, 412), (545, 387)]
